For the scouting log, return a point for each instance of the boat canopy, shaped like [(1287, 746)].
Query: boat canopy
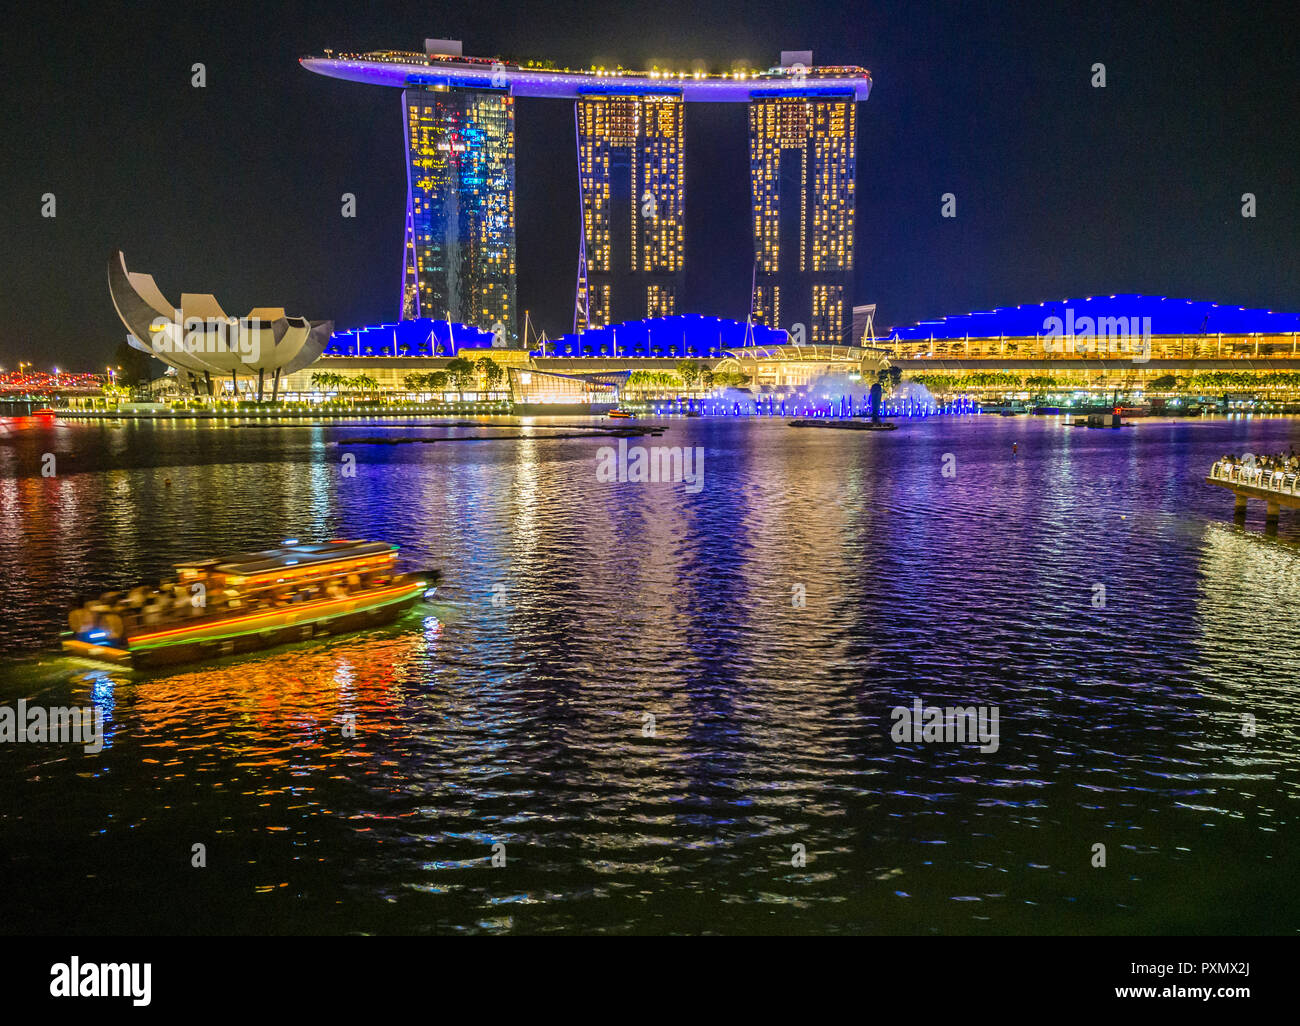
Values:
[(248, 564)]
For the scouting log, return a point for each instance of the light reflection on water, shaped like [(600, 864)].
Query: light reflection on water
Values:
[(524, 723)]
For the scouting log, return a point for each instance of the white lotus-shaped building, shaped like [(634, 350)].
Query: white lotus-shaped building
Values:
[(204, 343)]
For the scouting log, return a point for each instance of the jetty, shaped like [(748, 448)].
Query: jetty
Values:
[(1276, 488), (845, 425), (629, 432)]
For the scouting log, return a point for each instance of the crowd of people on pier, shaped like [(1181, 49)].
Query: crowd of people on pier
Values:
[(1288, 462)]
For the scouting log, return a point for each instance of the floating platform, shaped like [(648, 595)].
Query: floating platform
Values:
[(1098, 420), (846, 425)]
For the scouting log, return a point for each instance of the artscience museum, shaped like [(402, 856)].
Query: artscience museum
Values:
[(207, 347)]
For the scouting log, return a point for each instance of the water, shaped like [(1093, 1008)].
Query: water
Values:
[(524, 722)]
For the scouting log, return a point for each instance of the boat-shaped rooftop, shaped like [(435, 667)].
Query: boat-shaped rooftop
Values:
[(402, 69)]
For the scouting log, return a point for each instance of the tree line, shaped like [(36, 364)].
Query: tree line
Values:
[(460, 375), (687, 374)]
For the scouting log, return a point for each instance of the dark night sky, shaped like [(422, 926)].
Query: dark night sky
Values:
[(1062, 189)]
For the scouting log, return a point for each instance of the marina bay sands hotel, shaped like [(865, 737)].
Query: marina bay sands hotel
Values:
[(459, 252)]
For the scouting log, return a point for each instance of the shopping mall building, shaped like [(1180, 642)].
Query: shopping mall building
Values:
[(1126, 342)]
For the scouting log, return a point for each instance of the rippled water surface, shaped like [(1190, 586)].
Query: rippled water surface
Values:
[(526, 721)]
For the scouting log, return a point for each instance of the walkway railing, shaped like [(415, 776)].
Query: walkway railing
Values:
[(1284, 482)]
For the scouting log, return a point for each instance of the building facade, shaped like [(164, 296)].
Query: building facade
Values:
[(207, 349), (680, 337), (632, 183), (802, 179), (459, 258), (459, 252), (1117, 342)]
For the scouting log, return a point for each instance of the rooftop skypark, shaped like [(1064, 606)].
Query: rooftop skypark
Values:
[(400, 68)]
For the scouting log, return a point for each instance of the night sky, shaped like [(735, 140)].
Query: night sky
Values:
[(1062, 189)]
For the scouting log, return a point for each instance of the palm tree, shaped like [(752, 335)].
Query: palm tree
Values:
[(460, 372), (688, 371), (414, 382), (366, 384), (324, 380), (491, 370)]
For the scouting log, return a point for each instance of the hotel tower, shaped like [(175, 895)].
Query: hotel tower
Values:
[(459, 252)]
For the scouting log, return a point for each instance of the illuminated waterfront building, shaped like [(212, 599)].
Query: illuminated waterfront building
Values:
[(204, 346), (1122, 341), (783, 367), (421, 337), (1152, 328), (631, 165), (459, 260), (802, 170), (546, 389), (632, 182), (683, 336)]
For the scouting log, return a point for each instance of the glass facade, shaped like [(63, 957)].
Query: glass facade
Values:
[(459, 253), (802, 172), (632, 181)]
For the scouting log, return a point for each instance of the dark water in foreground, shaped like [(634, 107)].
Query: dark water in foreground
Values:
[(522, 723)]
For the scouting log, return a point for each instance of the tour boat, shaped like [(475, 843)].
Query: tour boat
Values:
[(248, 601), (620, 414), (45, 411)]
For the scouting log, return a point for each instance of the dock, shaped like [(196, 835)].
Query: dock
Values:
[(1276, 488), (845, 425)]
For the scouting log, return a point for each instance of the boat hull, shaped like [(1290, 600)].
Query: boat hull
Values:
[(280, 627)]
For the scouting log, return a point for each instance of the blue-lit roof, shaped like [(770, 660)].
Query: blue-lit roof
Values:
[(420, 336), (681, 336), (1168, 317)]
